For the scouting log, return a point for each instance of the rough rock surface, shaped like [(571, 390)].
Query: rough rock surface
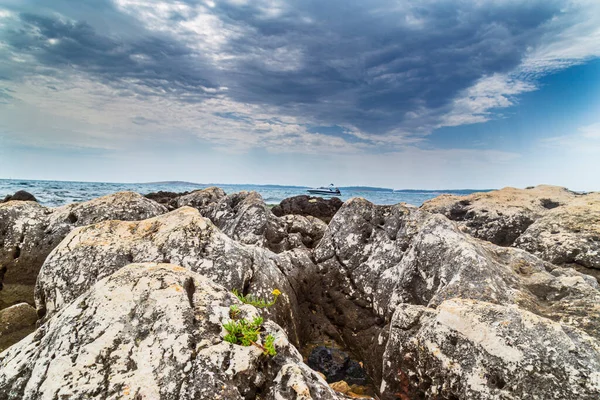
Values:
[(466, 349), (569, 234), (20, 195), (500, 216), (336, 365), (245, 217), (167, 199), (29, 232), (16, 322), (153, 331), (318, 207), (181, 237), (373, 259)]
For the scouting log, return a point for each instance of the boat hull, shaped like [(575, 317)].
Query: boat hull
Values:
[(324, 192)]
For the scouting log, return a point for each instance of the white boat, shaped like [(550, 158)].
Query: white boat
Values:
[(328, 191)]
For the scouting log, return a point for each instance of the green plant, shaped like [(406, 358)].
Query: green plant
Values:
[(234, 311), (270, 345), (255, 301), (247, 333)]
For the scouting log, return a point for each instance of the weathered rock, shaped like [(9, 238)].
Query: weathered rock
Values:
[(16, 322), (336, 365), (29, 232), (167, 199), (24, 246), (500, 216), (467, 349), (202, 199), (318, 207), (181, 237), (302, 231), (373, 259), (20, 195), (245, 217), (153, 331), (569, 234)]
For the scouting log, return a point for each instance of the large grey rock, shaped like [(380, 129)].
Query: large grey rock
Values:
[(373, 259), (466, 349), (153, 331), (16, 322), (500, 216), (569, 234), (245, 217), (182, 237), (29, 232)]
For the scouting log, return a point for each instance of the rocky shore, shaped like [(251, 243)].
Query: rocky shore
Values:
[(488, 296)]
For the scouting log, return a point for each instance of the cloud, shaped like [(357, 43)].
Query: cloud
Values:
[(264, 73), (586, 141)]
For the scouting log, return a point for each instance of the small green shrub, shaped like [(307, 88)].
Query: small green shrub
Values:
[(255, 301), (247, 333), (270, 345)]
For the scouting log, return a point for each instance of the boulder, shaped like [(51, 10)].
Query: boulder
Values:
[(467, 349), (20, 195), (181, 237), (318, 207), (336, 365), (29, 232), (500, 216), (245, 217), (24, 246), (153, 331), (16, 322), (374, 259), (569, 234), (201, 199), (167, 199)]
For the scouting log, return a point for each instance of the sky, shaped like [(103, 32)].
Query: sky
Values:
[(424, 94)]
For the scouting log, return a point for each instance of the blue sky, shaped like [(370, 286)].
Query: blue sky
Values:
[(405, 94)]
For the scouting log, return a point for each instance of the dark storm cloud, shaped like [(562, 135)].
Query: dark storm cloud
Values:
[(371, 65)]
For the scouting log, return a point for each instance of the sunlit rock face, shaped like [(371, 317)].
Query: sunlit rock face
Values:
[(153, 331), (181, 237), (376, 260), (468, 349), (500, 216), (569, 234), (246, 218), (29, 232)]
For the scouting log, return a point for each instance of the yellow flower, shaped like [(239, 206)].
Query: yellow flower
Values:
[(276, 292)]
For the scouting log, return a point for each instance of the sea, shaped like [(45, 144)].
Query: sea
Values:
[(58, 193)]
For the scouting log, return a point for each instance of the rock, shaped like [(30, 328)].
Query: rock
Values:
[(20, 195), (16, 322), (202, 199), (302, 231), (153, 331), (500, 216), (466, 349), (24, 246), (569, 234), (167, 199), (337, 366), (29, 232), (318, 207), (373, 259), (245, 217), (181, 237)]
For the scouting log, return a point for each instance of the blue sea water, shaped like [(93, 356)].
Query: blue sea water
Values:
[(57, 193)]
